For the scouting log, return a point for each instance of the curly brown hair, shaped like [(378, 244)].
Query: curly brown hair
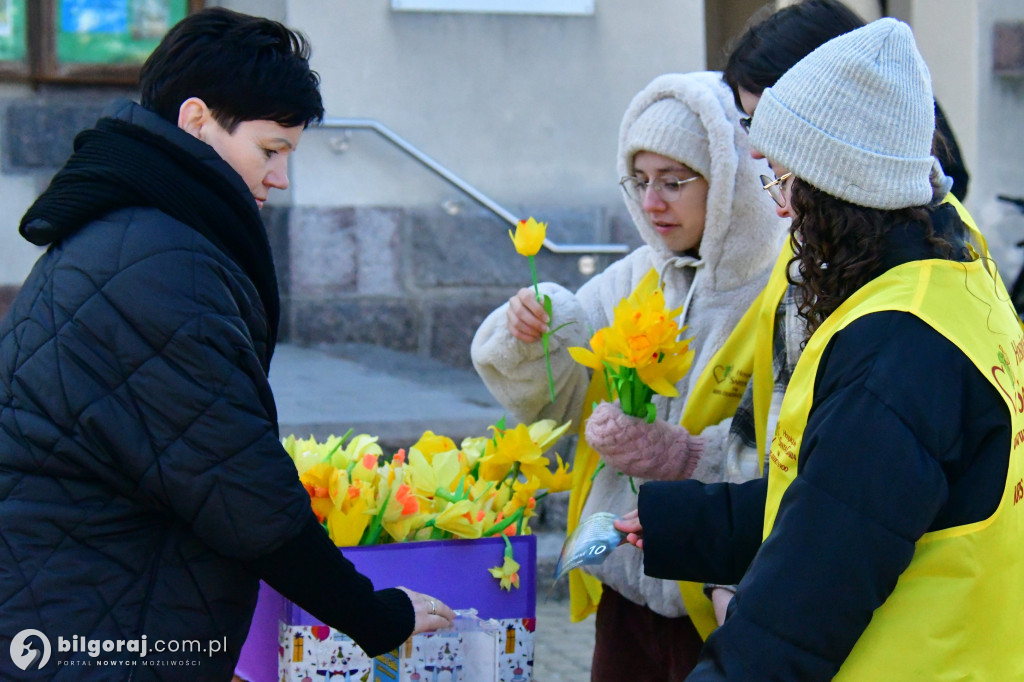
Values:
[(839, 246)]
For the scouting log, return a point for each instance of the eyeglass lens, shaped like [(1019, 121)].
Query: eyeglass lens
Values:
[(669, 188), (774, 188)]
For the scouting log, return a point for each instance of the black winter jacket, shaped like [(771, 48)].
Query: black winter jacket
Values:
[(904, 436), (143, 487)]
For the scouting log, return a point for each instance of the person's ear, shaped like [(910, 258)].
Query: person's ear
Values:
[(193, 116)]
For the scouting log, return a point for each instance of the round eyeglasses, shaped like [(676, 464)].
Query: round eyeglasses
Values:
[(774, 188), (669, 188)]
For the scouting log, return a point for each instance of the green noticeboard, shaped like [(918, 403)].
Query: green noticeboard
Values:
[(12, 30), (110, 31)]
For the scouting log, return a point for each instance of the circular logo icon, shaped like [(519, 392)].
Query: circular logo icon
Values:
[(25, 653)]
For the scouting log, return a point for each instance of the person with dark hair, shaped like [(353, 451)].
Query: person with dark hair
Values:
[(772, 45), (769, 48), (687, 177), (885, 541), (144, 490)]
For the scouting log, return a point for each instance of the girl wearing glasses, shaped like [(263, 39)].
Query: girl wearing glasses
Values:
[(692, 189), (885, 541)]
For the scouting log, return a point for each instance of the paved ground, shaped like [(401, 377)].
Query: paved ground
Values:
[(562, 649), (396, 396)]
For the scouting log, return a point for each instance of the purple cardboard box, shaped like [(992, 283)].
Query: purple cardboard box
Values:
[(454, 571)]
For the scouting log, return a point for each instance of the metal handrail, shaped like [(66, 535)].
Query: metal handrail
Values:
[(478, 196)]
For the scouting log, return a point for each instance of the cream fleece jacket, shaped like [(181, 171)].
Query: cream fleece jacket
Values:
[(742, 237)]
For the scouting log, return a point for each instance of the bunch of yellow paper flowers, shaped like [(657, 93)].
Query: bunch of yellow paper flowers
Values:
[(640, 353), (486, 486)]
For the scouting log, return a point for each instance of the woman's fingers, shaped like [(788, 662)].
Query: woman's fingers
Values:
[(431, 613), (527, 320)]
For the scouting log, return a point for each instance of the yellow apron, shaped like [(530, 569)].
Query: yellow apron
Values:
[(955, 613)]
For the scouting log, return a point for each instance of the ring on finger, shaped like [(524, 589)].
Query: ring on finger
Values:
[(433, 607)]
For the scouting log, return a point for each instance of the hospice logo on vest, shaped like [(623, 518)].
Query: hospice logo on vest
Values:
[(25, 652)]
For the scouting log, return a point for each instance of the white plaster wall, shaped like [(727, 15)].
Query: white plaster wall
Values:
[(526, 108)]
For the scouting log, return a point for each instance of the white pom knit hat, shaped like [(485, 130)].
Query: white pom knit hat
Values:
[(855, 118)]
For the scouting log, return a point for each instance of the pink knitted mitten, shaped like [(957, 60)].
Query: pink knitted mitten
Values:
[(656, 451)]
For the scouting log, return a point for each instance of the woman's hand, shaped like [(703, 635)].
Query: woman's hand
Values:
[(657, 451), (527, 320), (720, 598), (431, 613), (630, 525)]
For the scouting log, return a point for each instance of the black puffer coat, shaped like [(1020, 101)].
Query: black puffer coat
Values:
[(140, 466)]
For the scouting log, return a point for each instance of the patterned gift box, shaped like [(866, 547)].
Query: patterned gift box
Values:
[(454, 571)]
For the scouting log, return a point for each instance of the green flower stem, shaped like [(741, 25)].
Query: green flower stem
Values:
[(338, 445), (498, 527), (513, 473), (508, 547), (533, 271), (447, 496), (545, 338), (373, 533)]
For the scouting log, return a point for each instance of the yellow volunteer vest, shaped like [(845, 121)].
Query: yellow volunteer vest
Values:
[(584, 589), (714, 397), (956, 612)]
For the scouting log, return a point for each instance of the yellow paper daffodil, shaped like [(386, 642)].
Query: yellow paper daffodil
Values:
[(508, 573), (546, 432), (472, 450), (640, 351), (431, 444), (356, 450), (556, 481), (305, 453), (522, 494), (514, 446), (594, 358), (347, 524), (463, 519), (402, 513), (427, 476), (485, 487), (528, 237), (316, 481)]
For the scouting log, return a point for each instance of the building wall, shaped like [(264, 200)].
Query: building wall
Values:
[(372, 247), (998, 161), (526, 108)]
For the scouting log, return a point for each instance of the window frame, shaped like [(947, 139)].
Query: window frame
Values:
[(41, 64)]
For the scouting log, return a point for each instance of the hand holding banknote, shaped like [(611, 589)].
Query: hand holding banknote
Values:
[(590, 543), (630, 525)]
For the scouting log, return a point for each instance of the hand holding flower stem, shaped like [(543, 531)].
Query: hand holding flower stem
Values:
[(528, 238)]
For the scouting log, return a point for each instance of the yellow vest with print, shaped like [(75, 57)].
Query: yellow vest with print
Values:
[(718, 391), (956, 612), (746, 355)]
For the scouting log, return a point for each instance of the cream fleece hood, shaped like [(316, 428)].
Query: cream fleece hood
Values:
[(738, 232)]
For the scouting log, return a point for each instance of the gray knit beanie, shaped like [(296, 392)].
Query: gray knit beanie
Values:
[(855, 118), (670, 128)]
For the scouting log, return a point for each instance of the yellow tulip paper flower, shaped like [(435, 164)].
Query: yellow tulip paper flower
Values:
[(529, 237)]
